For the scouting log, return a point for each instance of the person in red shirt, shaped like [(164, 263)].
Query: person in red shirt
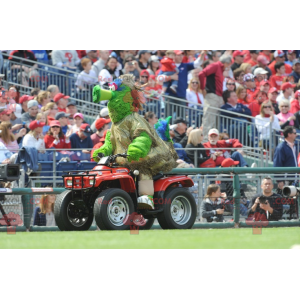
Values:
[(272, 95), (278, 79), (264, 86), (55, 137), (219, 155), (99, 144), (266, 54), (280, 57), (295, 103), (259, 97), (62, 101), (253, 61), (241, 92), (168, 68), (101, 126)]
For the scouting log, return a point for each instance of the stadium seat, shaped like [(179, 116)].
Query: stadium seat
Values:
[(47, 171), (87, 165), (66, 166)]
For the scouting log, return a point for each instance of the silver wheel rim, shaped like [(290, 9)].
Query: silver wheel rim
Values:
[(77, 222), (181, 210), (117, 210)]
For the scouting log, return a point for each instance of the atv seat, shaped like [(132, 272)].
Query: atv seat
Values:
[(158, 176)]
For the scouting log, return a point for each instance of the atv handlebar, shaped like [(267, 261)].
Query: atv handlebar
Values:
[(112, 158)]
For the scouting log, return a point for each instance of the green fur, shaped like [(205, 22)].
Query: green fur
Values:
[(106, 149), (100, 94), (139, 147), (168, 129)]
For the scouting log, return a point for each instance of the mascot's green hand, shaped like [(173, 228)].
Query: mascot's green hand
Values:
[(96, 94), (139, 147), (106, 148)]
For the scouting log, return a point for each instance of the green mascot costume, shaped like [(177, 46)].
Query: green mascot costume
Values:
[(130, 133)]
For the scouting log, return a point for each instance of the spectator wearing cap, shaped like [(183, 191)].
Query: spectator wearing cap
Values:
[(87, 77), (287, 92), (258, 98), (153, 89), (250, 85), (264, 86), (5, 115), (266, 54), (296, 70), (182, 77), (43, 98), (63, 119), (91, 55), (82, 138), (211, 79), (153, 68), (101, 62), (262, 62), (78, 121), (285, 117), (278, 79), (144, 56), (237, 125), (291, 56), (34, 138), (50, 110), (53, 90), (101, 126), (279, 56), (71, 109), (15, 117), (260, 75), (55, 137), (181, 132), (272, 95), (238, 58), (29, 116), (144, 77), (295, 103), (23, 101), (110, 72), (263, 121), (103, 114), (61, 100), (218, 155), (253, 60)]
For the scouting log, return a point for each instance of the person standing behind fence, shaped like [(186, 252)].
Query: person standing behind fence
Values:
[(213, 205), (211, 79), (43, 213)]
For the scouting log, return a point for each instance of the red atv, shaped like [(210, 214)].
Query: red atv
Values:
[(109, 192)]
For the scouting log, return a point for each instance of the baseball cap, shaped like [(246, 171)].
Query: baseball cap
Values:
[(152, 77), (104, 112), (273, 90), (297, 94), (143, 52), (5, 112), (237, 53), (287, 85), (55, 123), (213, 131), (154, 58), (71, 103), (59, 96), (16, 109), (248, 76), (262, 59), (144, 72), (178, 52), (291, 51), (25, 98), (228, 162), (32, 103), (296, 61), (278, 53), (258, 71), (78, 115), (86, 129), (61, 114), (101, 122), (180, 120), (35, 124), (264, 82)]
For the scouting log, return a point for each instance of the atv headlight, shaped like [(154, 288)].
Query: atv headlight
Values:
[(91, 181), (69, 182)]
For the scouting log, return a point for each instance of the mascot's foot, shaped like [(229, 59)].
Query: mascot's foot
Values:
[(145, 202)]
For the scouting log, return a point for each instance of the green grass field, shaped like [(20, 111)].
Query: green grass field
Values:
[(277, 238)]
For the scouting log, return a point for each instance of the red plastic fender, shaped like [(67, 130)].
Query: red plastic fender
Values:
[(163, 183)]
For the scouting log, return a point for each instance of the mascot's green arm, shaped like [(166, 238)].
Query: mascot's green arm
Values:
[(139, 147), (106, 149), (100, 94)]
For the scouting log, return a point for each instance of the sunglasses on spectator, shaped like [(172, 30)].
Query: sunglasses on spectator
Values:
[(267, 106), (294, 132), (284, 106), (230, 83), (252, 80), (55, 126), (144, 76), (195, 82)]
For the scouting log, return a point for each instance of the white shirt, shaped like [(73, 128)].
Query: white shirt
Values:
[(263, 126), (50, 220), (4, 153), (30, 141), (86, 78), (192, 97), (281, 97)]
